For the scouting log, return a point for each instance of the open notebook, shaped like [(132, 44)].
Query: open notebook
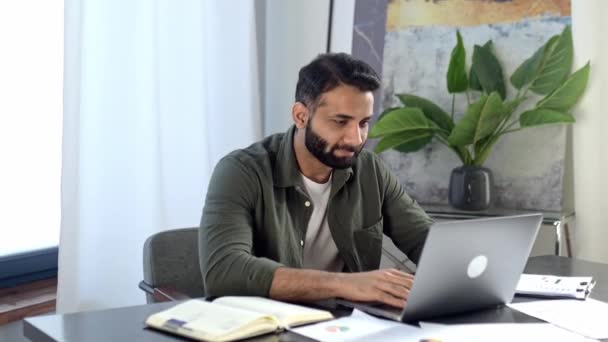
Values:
[(233, 318)]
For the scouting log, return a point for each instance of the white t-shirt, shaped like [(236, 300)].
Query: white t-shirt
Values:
[(320, 251)]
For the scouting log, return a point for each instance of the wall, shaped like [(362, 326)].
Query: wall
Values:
[(343, 18), (295, 32), (590, 163)]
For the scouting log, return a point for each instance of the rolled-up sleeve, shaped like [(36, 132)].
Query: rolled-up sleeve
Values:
[(226, 234)]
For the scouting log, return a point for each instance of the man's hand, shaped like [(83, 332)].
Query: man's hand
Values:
[(389, 286)]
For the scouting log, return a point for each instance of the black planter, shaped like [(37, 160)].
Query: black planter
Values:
[(471, 188)]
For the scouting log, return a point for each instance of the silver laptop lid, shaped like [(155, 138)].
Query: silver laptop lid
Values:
[(471, 264)]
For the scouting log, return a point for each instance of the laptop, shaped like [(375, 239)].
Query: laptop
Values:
[(465, 265)]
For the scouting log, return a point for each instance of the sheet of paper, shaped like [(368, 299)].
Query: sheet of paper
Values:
[(585, 317), (358, 326), (499, 332)]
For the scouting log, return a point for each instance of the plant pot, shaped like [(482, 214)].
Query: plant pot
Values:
[(471, 188)]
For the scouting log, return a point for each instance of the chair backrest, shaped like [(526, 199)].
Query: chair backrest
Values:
[(171, 260)]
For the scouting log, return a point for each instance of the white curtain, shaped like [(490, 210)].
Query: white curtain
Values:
[(590, 159), (156, 91)]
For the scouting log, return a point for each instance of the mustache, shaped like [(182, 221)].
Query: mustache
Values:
[(349, 148)]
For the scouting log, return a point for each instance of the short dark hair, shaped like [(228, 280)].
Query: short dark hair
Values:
[(330, 70)]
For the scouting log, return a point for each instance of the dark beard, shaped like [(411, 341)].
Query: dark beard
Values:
[(317, 146)]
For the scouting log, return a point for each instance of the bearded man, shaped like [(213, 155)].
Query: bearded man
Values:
[(300, 216)]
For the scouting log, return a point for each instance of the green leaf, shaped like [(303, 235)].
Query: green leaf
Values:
[(400, 120), (483, 149), (387, 111), (408, 141), (556, 65), (481, 119), (510, 106), (541, 116), (463, 154), (412, 146), (479, 145), (528, 70), (432, 111), (490, 118), (473, 80), (488, 71), (457, 74), (464, 131), (566, 96)]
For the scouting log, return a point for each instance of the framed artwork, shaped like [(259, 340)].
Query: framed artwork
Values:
[(409, 43)]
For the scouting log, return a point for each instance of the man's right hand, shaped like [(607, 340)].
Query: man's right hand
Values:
[(389, 286)]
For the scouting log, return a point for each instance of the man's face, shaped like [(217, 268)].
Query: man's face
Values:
[(340, 126)]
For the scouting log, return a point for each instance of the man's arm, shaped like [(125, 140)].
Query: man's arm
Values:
[(226, 235), (405, 222), (388, 286)]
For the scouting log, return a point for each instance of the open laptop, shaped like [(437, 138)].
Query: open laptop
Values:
[(465, 265)]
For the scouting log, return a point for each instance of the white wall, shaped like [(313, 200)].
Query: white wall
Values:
[(296, 31), (590, 162), (343, 18)]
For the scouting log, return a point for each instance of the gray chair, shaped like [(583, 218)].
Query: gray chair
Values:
[(171, 267)]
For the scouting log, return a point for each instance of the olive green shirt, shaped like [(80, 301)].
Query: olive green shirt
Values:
[(256, 215)]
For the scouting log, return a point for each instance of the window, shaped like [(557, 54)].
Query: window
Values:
[(31, 88)]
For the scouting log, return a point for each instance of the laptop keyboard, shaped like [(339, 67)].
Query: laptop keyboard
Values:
[(385, 307)]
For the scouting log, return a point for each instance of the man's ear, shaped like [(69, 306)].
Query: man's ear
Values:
[(299, 114)]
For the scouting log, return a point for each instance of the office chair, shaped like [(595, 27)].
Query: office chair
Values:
[(171, 267)]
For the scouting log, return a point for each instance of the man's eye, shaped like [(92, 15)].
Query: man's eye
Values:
[(364, 123), (340, 122)]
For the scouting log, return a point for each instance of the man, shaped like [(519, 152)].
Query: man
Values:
[(285, 217)]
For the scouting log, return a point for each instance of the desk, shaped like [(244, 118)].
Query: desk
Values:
[(126, 324)]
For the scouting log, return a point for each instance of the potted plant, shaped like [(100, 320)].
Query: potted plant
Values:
[(546, 90)]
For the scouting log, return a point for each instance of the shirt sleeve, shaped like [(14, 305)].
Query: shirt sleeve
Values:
[(226, 234), (405, 222)]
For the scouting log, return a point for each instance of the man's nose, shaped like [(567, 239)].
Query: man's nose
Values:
[(353, 136)]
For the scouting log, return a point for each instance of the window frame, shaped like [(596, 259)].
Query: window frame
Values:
[(20, 268)]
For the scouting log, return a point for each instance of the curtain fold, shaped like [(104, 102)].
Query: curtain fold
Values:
[(155, 93)]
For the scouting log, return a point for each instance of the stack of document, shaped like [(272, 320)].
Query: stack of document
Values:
[(554, 286)]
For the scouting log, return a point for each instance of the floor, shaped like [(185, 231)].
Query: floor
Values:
[(21, 301), (12, 332)]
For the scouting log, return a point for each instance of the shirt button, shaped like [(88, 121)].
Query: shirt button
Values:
[(301, 242), (307, 203)]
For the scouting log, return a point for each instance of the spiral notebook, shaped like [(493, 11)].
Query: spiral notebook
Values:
[(539, 285)]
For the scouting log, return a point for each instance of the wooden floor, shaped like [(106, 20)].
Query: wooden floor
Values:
[(27, 300)]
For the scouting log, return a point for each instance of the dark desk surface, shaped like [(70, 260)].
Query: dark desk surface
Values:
[(127, 324)]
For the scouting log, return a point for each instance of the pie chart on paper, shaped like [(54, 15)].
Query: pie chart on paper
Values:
[(337, 328)]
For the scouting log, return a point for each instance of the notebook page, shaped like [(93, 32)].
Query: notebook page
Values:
[(209, 318), (288, 314)]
